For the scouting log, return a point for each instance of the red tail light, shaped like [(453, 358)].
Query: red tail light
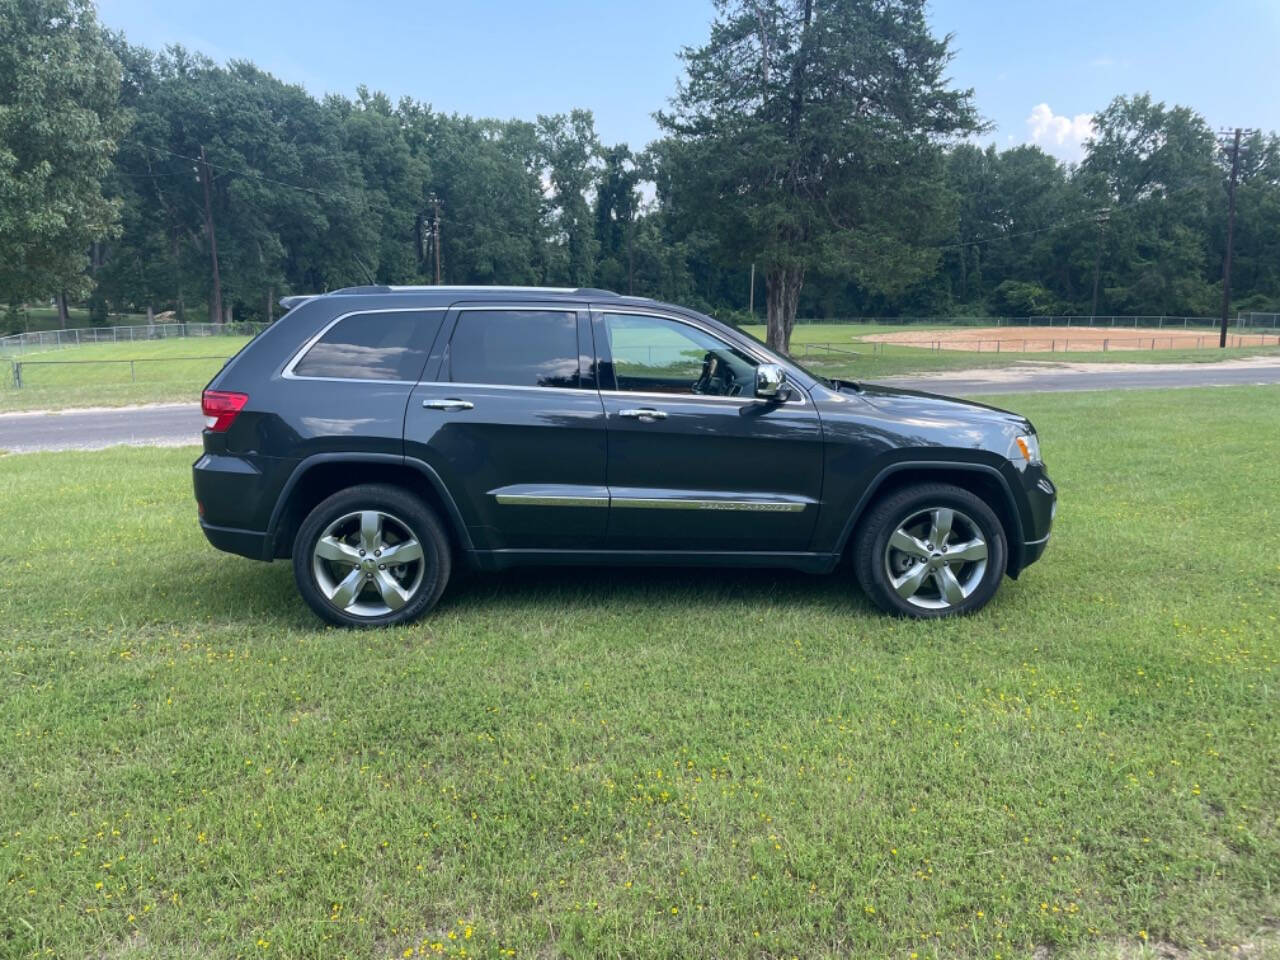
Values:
[(220, 408)]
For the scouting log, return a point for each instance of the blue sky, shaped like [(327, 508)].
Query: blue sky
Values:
[(1039, 69)]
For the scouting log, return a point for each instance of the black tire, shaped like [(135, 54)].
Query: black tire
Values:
[(398, 512), (873, 558)]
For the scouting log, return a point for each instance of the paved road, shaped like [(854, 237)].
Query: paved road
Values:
[(178, 424)]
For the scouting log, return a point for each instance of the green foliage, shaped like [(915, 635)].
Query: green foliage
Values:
[(815, 141), (60, 120)]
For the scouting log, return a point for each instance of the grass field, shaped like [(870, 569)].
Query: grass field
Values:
[(107, 381), (655, 764), (101, 374)]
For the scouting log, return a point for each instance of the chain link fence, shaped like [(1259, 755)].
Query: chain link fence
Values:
[(20, 343), (1118, 322)]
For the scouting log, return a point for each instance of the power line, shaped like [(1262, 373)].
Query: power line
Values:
[(243, 173)]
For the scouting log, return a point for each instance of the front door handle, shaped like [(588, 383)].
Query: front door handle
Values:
[(643, 413), (450, 403)]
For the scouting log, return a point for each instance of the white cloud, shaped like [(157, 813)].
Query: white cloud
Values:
[(1061, 136)]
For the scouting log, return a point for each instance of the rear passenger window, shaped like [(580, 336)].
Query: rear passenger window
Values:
[(373, 346), (518, 348)]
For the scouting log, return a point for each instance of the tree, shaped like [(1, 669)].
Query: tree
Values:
[(571, 151), (617, 208), (1154, 166), (808, 135), (60, 120)]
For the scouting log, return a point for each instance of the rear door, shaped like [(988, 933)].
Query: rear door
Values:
[(696, 462), (512, 422)]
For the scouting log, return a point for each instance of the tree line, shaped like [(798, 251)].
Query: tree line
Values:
[(821, 148)]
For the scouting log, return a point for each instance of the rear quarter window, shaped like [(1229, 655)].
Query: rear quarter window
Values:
[(387, 345)]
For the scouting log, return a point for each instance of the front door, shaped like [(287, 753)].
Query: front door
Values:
[(515, 428), (696, 461)]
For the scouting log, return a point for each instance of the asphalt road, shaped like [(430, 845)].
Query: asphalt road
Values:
[(180, 424)]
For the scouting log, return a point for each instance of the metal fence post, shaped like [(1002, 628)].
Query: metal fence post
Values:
[(17, 375)]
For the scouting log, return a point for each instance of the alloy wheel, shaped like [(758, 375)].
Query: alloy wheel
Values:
[(936, 558), (368, 563)]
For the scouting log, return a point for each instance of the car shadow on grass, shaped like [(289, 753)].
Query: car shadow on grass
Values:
[(248, 591)]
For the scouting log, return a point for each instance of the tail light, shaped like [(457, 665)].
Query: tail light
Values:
[(220, 408)]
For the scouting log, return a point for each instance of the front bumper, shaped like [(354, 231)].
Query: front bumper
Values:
[(1041, 498)]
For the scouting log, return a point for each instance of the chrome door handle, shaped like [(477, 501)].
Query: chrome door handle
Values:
[(448, 404), (643, 413)]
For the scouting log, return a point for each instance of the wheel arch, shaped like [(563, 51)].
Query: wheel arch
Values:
[(980, 479), (323, 474)]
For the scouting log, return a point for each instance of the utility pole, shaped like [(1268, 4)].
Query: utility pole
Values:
[(1102, 217), (435, 231), (215, 301), (751, 298), (1231, 227)]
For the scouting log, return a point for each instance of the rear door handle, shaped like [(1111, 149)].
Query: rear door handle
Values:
[(643, 413), (450, 403)]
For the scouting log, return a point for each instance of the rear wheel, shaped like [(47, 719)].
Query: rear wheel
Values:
[(371, 556), (932, 550)]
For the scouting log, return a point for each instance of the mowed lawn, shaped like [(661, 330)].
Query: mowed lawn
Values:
[(174, 371), (102, 374), (631, 763)]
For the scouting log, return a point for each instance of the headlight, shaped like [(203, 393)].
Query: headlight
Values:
[(1028, 446)]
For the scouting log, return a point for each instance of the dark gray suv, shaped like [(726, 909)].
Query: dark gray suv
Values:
[(379, 435)]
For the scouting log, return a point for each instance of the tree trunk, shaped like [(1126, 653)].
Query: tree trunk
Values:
[(151, 315), (226, 314), (270, 304), (782, 291), (63, 315)]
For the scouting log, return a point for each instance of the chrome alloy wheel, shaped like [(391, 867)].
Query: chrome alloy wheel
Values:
[(936, 558), (368, 563)]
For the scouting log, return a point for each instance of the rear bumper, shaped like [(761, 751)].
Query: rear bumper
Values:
[(235, 496), (246, 543)]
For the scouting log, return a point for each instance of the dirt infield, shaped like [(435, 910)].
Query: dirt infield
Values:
[(1065, 339)]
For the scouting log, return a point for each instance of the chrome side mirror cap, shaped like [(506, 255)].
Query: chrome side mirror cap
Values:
[(770, 382)]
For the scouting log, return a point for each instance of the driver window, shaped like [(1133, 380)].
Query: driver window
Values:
[(657, 355)]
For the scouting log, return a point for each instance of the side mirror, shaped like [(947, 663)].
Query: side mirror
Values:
[(770, 382)]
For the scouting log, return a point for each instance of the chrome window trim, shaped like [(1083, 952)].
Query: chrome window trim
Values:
[(288, 374), (752, 352), (502, 386)]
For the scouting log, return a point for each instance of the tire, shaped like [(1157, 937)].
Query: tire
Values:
[(902, 566), (339, 549)]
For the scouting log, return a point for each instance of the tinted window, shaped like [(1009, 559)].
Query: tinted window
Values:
[(519, 348), (656, 355), (373, 346)]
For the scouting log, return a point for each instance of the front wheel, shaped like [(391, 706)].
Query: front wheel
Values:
[(371, 556), (932, 550)]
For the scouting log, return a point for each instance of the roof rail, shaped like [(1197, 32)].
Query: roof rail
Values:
[(474, 288)]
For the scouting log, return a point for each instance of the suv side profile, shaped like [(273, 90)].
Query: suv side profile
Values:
[(380, 435)]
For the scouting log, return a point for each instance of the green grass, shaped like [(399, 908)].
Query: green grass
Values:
[(100, 383), (891, 359), (655, 764), (100, 375)]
